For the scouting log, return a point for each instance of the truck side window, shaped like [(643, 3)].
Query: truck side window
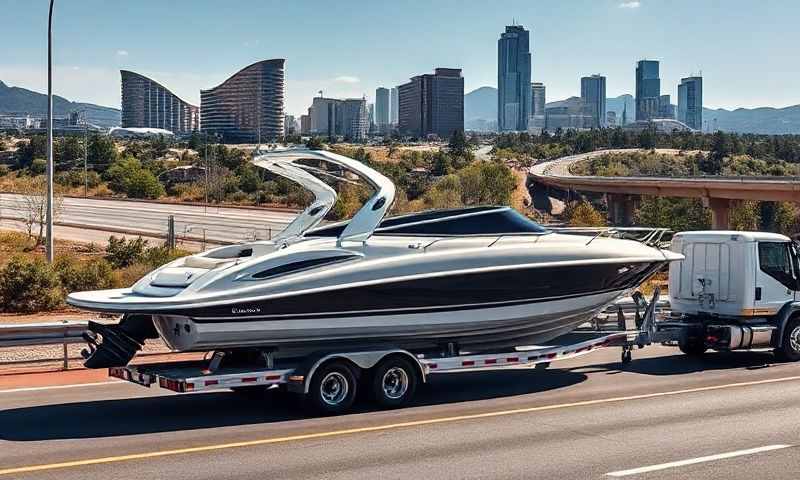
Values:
[(775, 261)]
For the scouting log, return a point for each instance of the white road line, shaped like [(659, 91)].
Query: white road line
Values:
[(693, 461), (59, 387)]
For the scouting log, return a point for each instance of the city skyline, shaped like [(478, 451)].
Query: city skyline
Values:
[(87, 60)]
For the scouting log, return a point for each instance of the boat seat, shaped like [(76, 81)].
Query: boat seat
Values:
[(205, 262)]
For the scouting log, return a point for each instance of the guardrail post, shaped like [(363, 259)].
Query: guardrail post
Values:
[(66, 350)]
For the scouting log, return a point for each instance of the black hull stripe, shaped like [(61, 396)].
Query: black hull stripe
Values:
[(374, 313)]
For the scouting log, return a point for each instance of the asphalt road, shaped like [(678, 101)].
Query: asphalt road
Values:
[(219, 224), (663, 416)]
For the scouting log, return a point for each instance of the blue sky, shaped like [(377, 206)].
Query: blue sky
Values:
[(747, 50)]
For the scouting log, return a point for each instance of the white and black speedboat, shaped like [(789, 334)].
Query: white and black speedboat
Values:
[(477, 278)]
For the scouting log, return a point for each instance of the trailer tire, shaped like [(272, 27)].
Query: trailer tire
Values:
[(393, 382), (333, 388), (789, 349), (692, 343)]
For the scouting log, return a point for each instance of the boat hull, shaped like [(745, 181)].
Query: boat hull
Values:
[(474, 328)]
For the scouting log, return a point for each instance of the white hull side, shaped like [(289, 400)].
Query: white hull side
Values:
[(516, 325)]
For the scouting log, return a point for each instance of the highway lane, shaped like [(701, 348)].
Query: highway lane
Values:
[(585, 419), (220, 224)]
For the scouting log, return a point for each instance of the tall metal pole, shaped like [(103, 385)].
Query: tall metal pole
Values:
[(85, 155), (49, 244)]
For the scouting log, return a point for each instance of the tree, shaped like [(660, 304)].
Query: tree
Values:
[(36, 147), (583, 214), (314, 143), (33, 194), (678, 214), (458, 143), (486, 183), (128, 176), (101, 152)]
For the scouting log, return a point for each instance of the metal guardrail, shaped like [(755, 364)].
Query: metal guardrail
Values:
[(63, 333)]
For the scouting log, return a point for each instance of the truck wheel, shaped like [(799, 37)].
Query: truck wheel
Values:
[(692, 343), (394, 382), (332, 389), (790, 344)]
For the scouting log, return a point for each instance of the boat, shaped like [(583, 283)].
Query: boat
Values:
[(474, 279)]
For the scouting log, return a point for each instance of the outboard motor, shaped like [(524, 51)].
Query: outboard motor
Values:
[(117, 344)]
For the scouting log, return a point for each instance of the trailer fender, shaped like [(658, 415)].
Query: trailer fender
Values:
[(363, 360), (789, 310)]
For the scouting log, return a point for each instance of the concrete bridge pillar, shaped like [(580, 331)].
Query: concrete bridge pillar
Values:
[(720, 212), (620, 209)]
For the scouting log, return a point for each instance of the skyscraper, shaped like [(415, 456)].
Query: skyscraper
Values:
[(593, 94), (395, 110), (539, 98), (690, 102), (648, 89), (382, 108), (665, 107), (332, 117), (146, 103), (513, 79), (248, 106), (432, 104), (538, 101)]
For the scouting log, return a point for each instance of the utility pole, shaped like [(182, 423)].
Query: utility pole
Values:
[(49, 244), (85, 155)]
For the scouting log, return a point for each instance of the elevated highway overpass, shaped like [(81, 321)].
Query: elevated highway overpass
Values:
[(718, 193)]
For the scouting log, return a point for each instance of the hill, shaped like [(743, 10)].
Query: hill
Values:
[(21, 101), (766, 120)]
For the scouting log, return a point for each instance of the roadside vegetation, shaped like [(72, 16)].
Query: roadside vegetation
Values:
[(29, 284)]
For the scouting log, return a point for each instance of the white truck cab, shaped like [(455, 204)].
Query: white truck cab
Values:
[(737, 290), (733, 274)]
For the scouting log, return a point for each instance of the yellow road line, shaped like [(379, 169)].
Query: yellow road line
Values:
[(377, 428)]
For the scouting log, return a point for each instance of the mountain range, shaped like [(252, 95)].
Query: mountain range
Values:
[(480, 108), (21, 101)]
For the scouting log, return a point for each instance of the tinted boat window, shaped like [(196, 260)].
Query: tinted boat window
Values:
[(500, 221), (489, 220), (301, 265)]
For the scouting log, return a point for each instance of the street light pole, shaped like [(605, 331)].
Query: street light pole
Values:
[(49, 245)]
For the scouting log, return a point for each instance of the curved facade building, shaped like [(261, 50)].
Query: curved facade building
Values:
[(248, 105), (148, 104)]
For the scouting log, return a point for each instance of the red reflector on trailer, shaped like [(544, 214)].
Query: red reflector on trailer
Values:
[(551, 355), (249, 379), (212, 382), (490, 361), (512, 359), (433, 365), (468, 363), (188, 386), (273, 377)]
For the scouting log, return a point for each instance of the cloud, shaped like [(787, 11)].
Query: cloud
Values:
[(347, 79), (631, 4), (122, 53)]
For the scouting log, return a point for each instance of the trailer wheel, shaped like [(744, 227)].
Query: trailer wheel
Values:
[(333, 388), (394, 382), (790, 344)]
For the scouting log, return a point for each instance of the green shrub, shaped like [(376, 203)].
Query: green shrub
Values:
[(77, 275), (143, 184), (156, 256), (128, 176), (38, 166), (4, 170), (121, 253), (29, 285)]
